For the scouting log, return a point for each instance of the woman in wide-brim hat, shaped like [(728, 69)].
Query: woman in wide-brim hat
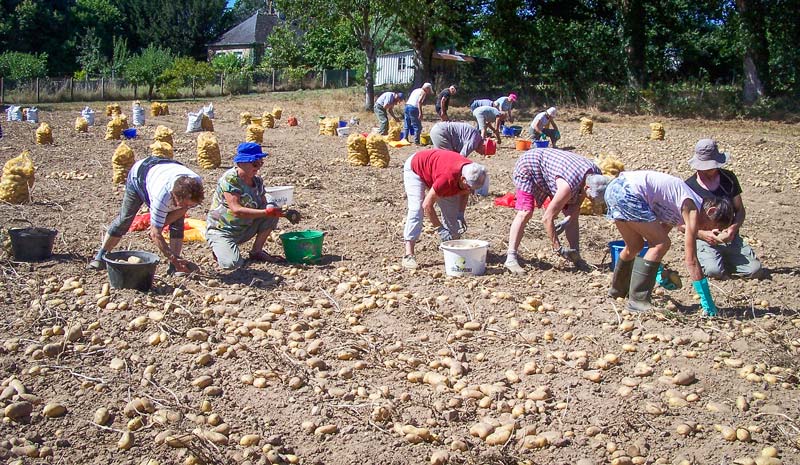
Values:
[(721, 252)]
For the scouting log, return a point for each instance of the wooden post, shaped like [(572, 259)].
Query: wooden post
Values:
[(2, 91), (273, 79), (102, 88), (71, 89), (136, 91), (37, 90), (192, 87), (347, 78), (324, 78), (222, 84)]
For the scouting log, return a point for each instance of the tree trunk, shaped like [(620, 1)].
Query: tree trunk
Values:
[(150, 91), (423, 61), (756, 53), (369, 76), (634, 40)]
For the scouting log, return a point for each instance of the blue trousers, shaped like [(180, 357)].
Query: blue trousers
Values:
[(412, 123)]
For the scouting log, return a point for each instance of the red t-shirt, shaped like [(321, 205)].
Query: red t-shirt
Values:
[(440, 170)]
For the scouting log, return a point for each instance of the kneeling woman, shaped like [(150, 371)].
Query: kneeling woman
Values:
[(241, 209), (645, 206)]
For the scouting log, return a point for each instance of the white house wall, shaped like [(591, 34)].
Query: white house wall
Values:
[(396, 68)]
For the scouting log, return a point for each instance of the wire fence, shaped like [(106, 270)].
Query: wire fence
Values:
[(67, 89)]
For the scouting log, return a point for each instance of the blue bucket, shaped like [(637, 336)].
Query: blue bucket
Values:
[(542, 144), (342, 124), (512, 131), (129, 133), (615, 247)]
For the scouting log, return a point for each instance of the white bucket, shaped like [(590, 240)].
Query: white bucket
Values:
[(464, 257), (281, 195), (345, 131)]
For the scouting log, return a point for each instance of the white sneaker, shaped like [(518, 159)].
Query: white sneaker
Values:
[(409, 262), (513, 265)]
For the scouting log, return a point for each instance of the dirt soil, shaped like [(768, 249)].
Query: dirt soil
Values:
[(356, 361)]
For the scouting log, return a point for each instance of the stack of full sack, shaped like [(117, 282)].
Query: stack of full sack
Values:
[(656, 131), (121, 163), (18, 178), (208, 155)]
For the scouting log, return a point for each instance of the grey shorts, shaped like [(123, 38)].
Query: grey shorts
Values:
[(225, 245)]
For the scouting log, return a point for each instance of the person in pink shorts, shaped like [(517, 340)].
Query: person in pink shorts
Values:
[(564, 178)]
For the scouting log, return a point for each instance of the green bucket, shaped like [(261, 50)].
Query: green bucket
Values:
[(303, 246)]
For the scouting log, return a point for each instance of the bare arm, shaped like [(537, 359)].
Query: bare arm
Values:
[(738, 220), (158, 239), (427, 207), (558, 202), (240, 211), (690, 219)]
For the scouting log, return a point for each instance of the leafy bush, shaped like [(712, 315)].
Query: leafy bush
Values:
[(227, 63), (239, 83), (16, 65), (147, 67), (184, 72)]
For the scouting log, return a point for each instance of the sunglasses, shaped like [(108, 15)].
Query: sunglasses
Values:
[(258, 163)]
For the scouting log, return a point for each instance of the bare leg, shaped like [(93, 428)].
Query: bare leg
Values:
[(410, 247), (176, 245), (261, 239), (518, 230)]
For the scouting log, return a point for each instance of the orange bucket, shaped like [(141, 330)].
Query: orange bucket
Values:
[(489, 147), (522, 144)]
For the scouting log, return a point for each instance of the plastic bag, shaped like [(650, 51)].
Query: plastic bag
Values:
[(507, 200), (162, 150), (268, 120), (378, 151), (81, 125), (208, 155), (18, 179), (244, 118), (195, 122), (121, 163), (44, 135), (114, 129), (277, 112), (138, 114), (33, 115), (357, 154), (155, 109), (255, 133), (14, 113), (163, 134), (88, 115), (209, 110)]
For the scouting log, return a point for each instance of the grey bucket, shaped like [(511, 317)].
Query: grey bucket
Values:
[(32, 244), (124, 275)]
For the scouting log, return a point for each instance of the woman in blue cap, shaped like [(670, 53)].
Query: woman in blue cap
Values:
[(241, 209)]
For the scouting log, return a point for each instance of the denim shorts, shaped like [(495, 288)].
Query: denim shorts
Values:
[(625, 205)]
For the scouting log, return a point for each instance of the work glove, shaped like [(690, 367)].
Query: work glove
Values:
[(560, 225), (462, 224), (570, 254), (444, 234), (664, 279), (273, 212), (293, 216), (701, 287)]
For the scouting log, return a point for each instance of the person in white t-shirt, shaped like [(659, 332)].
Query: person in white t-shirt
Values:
[(545, 123), (383, 109), (170, 190), (413, 111), (645, 206)]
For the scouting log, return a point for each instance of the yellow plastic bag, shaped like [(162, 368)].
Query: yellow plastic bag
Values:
[(357, 154), (587, 125), (378, 151), (164, 134), (656, 131), (255, 133), (18, 178), (277, 112), (244, 118), (206, 124), (114, 129), (268, 120), (208, 156), (44, 135), (81, 125), (121, 163), (162, 150)]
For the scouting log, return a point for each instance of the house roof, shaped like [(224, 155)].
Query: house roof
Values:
[(251, 31)]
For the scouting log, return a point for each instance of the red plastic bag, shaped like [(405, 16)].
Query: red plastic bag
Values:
[(507, 200), (140, 222)]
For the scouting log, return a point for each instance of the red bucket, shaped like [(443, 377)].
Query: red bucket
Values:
[(489, 147)]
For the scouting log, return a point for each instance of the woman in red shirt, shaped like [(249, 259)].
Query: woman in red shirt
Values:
[(448, 178)]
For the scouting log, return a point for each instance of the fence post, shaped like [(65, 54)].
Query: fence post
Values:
[(102, 88), (324, 78), (71, 89), (192, 87), (347, 78), (222, 84), (37, 90), (2, 91), (273, 79), (136, 91)]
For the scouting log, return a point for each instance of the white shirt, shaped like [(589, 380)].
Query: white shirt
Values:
[(159, 183), (541, 121), (386, 98), (416, 98)]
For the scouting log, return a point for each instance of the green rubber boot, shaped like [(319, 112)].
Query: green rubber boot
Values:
[(621, 280), (643, 279)]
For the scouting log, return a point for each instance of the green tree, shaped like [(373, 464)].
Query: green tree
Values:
[(17, 65), (90, 54), (186, 26), (147, 67), (120, 56), (38, 26), (186, 71), (101, 17), (227, 63), (368, 22), (285, 49)]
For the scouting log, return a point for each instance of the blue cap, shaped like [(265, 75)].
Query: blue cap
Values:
[(400, 96), (248, 152)]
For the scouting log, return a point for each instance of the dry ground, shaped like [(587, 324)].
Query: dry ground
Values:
[(332, 363)]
